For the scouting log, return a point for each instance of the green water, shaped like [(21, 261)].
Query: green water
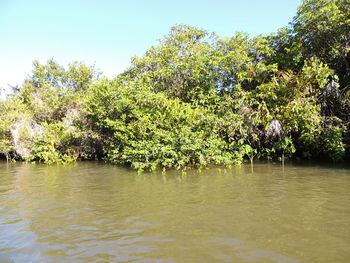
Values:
[(93, 212)]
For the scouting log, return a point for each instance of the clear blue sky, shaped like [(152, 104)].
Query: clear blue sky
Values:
[(107, 33)]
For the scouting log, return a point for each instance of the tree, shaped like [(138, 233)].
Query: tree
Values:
[(51, 90), (320, 29)]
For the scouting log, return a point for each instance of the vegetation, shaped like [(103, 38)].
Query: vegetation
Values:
[(195, 99)]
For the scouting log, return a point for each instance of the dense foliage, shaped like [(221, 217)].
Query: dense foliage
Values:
[(195, 99)]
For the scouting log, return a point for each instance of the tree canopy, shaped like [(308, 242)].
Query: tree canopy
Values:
[(195, 99)]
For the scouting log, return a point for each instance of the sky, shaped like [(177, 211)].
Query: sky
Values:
[(107, 33)]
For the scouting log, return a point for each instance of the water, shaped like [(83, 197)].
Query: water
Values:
[(92, 212)]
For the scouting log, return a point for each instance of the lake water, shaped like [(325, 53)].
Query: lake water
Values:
[(91, 212)]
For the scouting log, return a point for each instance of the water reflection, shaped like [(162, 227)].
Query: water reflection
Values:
[(92, 212)]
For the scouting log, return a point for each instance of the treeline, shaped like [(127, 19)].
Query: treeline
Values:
[(195, 99)]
